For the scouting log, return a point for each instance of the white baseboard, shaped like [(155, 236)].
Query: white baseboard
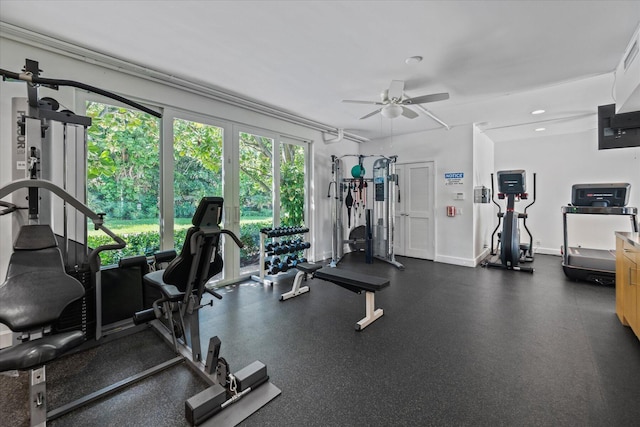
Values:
[(465, 262), (485, 253), (547, 251)]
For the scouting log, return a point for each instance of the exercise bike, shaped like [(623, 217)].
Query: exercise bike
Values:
[(510, 252)]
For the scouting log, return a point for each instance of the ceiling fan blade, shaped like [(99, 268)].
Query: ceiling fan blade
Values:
[(396, 89), (373, 113), (426, 98), (409, 113), (351, 101)]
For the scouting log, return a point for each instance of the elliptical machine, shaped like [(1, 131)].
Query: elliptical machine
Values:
[(511, 252)]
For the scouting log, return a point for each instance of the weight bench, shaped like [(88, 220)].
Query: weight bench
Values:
[(33, 296), (355, 282)]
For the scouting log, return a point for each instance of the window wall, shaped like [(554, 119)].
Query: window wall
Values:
[(256, 194), (292, 168), (260, 174), (123, 178), (197, 170)]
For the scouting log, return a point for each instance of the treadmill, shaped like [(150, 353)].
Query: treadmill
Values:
[(595, 265)]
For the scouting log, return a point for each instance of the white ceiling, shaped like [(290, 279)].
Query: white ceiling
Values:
[(498, 60)]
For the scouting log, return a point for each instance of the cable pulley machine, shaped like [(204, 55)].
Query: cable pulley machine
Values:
[(375, 238)]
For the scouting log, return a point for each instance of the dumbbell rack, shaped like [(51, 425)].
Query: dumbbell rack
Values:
[(276, 233)]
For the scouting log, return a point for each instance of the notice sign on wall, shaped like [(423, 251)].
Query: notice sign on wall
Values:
[(453, 178)]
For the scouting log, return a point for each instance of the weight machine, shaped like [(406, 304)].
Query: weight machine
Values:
[(376, 236), (51, 298)]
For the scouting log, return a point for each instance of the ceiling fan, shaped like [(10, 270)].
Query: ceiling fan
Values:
[(393, 102)]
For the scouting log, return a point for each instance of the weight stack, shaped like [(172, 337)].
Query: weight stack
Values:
[(81, 315)]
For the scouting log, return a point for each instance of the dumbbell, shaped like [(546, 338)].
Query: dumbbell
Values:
[(274, 269), (275, 232), (293, 260), (271, 245), (287, 259)]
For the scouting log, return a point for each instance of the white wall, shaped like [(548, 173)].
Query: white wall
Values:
[(483, 213), (451, 151), (561, 161)]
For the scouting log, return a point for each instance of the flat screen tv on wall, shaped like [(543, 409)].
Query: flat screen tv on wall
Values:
[(617, 130)]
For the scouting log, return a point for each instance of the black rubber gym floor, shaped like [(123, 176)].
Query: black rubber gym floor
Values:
[(456, 346)]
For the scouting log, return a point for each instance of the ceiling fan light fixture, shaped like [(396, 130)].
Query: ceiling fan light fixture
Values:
[(391, 111), (413, 60)]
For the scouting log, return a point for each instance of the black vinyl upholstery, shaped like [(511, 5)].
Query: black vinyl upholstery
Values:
[(37, 288), (36, 291), (177, 272), (36, 353), (173, 281), (356, 282)]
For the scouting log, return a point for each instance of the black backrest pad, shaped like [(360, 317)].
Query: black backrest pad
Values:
[(209, 212), (34, 237), (36, 290), (177, 272)]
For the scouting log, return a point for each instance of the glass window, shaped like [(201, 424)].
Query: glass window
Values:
[(197, 153), (292, 195), (123, 178), (256, 194)]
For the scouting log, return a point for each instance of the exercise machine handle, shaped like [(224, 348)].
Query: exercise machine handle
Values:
[(212, 292), (10, 207), (493, 197), (120, 244), (234, 237), (27, 77), (534, 194), (97, 219)]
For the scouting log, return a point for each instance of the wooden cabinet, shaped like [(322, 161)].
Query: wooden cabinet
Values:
[(628, 279)]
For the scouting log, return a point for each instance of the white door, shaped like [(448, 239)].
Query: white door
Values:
[(414, 228)]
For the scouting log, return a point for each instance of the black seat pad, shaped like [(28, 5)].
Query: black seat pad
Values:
[(351, 280), (36, 290), (154, 279), (37, 298), (38, 352), (308, 268)]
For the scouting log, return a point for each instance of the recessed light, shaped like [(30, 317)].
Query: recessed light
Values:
[(537, 112), (413, 59), (540, 129)]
